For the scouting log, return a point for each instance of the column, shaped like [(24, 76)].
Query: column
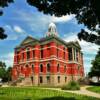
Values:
[(79, 56)]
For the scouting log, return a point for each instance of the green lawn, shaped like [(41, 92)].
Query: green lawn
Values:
[(34, 93), (94, 89)]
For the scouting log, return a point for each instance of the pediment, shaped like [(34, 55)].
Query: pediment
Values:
[(77, 43), (27, 40)]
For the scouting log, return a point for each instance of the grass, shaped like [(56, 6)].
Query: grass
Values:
[(94, 89), (35, 93)]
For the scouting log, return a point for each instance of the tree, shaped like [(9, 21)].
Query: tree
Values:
[(2, 64), (95, 70), (8, 73), (3, 3), (87, 12), (5, 73), (2, 73), (2, 70)]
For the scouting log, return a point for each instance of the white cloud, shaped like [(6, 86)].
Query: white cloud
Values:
[(8, 59), (18, 29), (38, 22), (62, 19), (87, 47), (14, 32), (93, 32)]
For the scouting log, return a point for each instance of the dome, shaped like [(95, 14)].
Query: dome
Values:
[(52, 30), (52, 25)]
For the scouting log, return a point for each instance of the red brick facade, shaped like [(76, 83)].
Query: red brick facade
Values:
[(48, 61)]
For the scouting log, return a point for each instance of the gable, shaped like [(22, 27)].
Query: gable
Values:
[(27, 40), (77, 43)]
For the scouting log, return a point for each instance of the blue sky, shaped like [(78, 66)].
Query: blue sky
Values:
[(21, 20)]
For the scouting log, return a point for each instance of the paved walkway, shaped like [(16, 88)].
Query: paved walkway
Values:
[(82, 91)]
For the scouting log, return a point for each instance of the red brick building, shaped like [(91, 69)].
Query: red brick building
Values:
[(48, 61)]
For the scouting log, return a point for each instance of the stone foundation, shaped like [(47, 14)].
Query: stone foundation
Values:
[(53, 80)]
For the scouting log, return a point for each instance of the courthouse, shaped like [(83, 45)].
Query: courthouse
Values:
[(49, 61)]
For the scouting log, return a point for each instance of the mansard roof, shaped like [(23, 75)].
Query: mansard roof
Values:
[(32, 41)]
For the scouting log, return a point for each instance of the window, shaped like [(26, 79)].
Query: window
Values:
[(64, 52), (17, 58), (48, 67), (78, 68), (28, 54), (65, 79), (26, 66), (32, 79), (58, 68), (58, 79), (41, 52), (70, 54), (21, 69), (33, 53), (22, 56), (41, 79), (48, 45), (65, 68), (32, 68), (41, 68), (57, 52), (48, 79)]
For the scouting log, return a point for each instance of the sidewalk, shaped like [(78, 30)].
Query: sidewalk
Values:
[(82, 91)]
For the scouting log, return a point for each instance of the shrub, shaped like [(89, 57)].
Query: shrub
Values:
[(72, 85)]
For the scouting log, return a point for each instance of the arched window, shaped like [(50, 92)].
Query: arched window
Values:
[(26, 66), (58, 67), (41, 68), (48, 67)]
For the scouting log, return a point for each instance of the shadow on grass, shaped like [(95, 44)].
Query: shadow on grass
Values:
[(2, 93), (58, 98)]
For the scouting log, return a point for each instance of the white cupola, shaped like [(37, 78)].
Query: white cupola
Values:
[(52, 30)]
